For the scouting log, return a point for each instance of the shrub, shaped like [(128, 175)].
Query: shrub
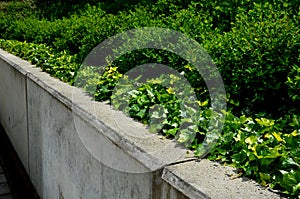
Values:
[(293, 83), (256, 57), (60, 65), (13, 10)]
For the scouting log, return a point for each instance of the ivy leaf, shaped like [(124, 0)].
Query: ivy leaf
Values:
[(265, 122)]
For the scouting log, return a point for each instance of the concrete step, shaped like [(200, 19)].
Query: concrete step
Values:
[(5, 192), (14, 181)]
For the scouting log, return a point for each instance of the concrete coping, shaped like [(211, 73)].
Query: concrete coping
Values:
[(205, 179)]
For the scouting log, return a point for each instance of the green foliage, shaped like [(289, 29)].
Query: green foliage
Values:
[(293, 83), (60, 65), (255, 45), (161, 107), (256, 145), (11, 11), (256, 56), (146, 97), (48, 9), (106, 83)]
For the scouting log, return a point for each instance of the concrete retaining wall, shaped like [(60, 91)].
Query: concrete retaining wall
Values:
[(73, 147)]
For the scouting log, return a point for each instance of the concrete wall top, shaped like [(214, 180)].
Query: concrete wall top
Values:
[(206, 179)]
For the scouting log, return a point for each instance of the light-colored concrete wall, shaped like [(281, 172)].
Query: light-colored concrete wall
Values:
[(74, 148), (61, 166), (13, 110)]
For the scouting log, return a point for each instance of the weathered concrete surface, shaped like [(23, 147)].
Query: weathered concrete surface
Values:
[(61, 166), (206, 179), (168, 191), (13, 114)]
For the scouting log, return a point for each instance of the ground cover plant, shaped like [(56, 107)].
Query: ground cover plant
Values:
[(255, 45)]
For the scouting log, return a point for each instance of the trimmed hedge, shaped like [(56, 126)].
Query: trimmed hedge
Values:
[(255, 45), (255, 58)]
